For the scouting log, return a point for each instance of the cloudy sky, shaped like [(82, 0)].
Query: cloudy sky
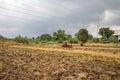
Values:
[(34, 17)]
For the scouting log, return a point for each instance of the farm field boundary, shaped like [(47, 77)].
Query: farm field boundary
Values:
[(91, 53)]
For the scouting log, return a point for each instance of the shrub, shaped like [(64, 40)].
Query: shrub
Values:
[(20, 39), (112, 39), (3, 38), (73, 40), (46, 37), (60, 40), (95, 40), (44, 41)]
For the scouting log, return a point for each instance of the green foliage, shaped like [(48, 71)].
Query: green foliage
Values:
[(82, 36), (3, 38), (68, 37), (105, 32), (44, 41), (59, 35), (46, 37), (20, 39), (73, 40), (112, 39), (90, 37), (60, 40), (97, 40), (34, 40)]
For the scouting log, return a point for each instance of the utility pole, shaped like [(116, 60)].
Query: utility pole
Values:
[(98, 26)]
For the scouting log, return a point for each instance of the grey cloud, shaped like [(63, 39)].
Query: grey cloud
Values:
[(34, 17)]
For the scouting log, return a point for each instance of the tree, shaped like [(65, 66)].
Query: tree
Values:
[(21, 39), (46, 37), (59, 35), (68, 37), (90, 37), (82, 36), (105, 32)]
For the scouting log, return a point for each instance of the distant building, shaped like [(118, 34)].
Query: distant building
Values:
[(117, 33), (118, 36)]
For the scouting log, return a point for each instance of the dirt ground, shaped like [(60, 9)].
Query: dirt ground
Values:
[(35, 64)]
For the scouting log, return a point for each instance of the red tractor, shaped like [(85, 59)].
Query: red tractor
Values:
[(67, 45)]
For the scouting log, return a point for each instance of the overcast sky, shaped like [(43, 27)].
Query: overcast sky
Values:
[(34, 17)]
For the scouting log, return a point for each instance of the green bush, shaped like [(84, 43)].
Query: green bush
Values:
[(73, 40), (20, 39), (112, 39), (60, 40), (3, 39), (36, 41), (44, 41), (45, 37), (96, 40)]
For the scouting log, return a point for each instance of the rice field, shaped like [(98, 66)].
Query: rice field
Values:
[(52, 62)]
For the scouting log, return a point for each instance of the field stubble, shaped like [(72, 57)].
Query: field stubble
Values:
[(30, 63)]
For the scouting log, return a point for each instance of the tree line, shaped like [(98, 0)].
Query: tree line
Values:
[(60, 36)]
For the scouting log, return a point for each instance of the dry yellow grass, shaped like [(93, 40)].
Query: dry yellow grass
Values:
[(27, 62), (92, 53)]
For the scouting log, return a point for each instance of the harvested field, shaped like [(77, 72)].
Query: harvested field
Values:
[(31, 63)]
